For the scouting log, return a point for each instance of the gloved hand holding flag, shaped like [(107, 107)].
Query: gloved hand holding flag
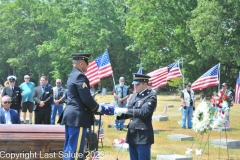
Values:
[(106, 109)]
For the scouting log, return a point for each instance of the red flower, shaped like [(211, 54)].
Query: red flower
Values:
[(225, 96), (223, 112), (221, 92), (220, 100)]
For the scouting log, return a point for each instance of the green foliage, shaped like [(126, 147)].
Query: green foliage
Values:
[(38, 37)]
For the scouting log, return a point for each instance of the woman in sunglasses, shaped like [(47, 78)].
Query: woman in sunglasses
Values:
[(8, 115)]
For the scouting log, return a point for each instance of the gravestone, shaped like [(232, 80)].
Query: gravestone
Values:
[(222, 129), (113, 126), (156, 131), (121, 147), (168, 105), (173, 157), (229, 143), (160, 118), (180, 137), (180, 123)]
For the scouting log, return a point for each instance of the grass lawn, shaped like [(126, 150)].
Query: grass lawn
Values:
[(162, 144)]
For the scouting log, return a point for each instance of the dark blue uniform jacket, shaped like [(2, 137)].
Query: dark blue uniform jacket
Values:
[(80, 103), (140, 111)]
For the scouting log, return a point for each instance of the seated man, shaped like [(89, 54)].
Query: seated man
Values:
[(8, 115)]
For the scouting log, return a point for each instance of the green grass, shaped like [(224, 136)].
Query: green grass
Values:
[(162, 144)]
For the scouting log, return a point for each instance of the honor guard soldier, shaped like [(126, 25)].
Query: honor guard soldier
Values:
[(140, 109), (78, 113), (14, 92)]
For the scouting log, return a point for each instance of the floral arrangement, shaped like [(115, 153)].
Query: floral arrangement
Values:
[(219, 103), (205, 115), (202, 117), (210, 115), (118, 141)]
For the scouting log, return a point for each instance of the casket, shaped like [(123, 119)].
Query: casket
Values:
[(33, 142)]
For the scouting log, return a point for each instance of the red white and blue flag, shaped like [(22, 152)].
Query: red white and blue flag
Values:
[(237, 90), (208, 79), (160, 77), (174, 71), (99, 68)]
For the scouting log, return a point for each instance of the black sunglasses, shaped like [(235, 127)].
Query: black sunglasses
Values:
[(58, 82), (26, 78), (7, 102)]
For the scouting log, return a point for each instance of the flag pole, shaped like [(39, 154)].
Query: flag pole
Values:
[(113, 80), (182, 74), (219, 78)]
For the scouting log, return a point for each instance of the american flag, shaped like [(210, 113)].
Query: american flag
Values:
[(174, 71), (208, 79), (140, 70), (99, 68), (237, 90), (160, 77)]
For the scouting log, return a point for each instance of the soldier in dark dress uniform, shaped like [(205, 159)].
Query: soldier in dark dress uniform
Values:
[(78, 114), (14, 92), (140, 109)]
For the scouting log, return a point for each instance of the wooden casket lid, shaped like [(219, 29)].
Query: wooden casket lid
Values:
[(12, 132)]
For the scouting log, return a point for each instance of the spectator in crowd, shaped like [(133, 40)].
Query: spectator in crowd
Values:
[(229, 99), (8, 115), (140, 109), (42, 96), (150, 88), (27, 89), (14, 92), (58, 100), (121, 94), (188, 103)]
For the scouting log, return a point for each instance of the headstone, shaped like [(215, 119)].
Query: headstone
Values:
[(180, 123), (173, 157), (229, 143), (156, 131), (168, 105), (121, 147), (180, 137), (179, 109), (160, 118), (110, 126), (222, 129), (113, 126)]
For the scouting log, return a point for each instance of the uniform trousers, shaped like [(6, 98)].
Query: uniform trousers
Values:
[(74, 142), (140, 152)]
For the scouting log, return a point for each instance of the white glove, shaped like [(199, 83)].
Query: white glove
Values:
[(99, 109), (120, 111)]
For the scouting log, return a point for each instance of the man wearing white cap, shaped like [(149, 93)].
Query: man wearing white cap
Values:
[(14, 92)]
